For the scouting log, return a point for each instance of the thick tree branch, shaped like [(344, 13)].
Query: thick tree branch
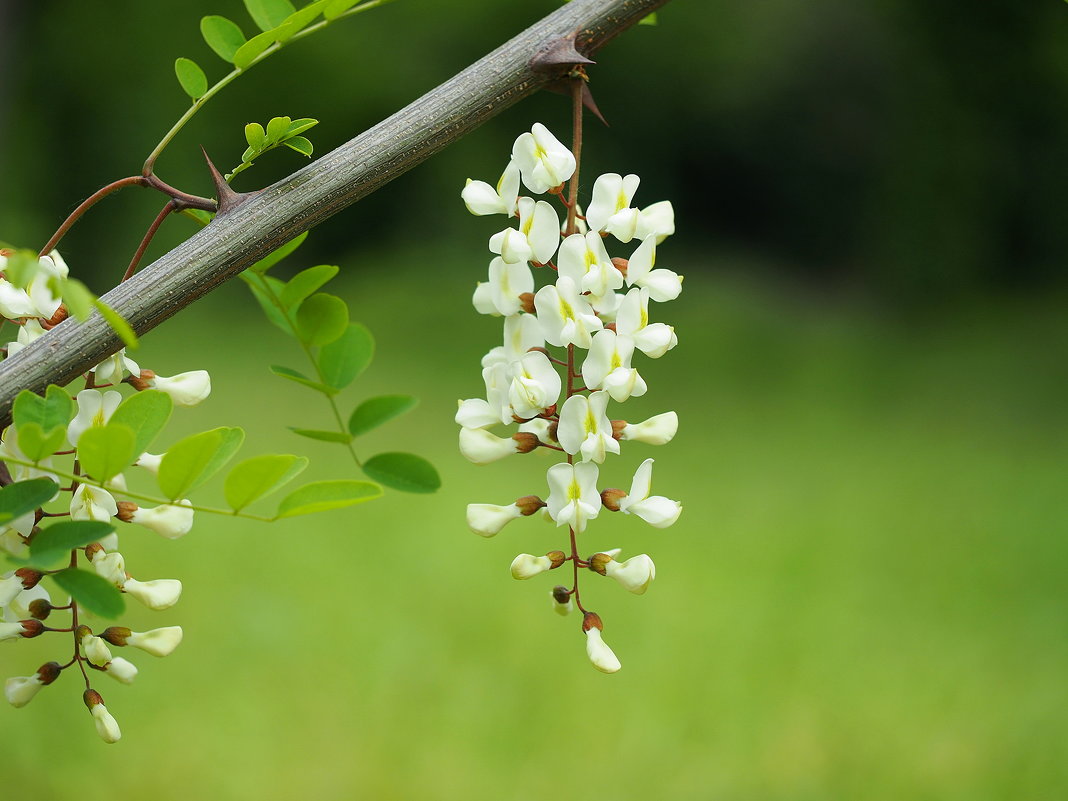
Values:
[(271, 217)]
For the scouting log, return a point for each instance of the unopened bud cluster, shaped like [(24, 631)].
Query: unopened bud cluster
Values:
[(27, 609), (586, 321)]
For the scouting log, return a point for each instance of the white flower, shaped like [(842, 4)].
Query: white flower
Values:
[(20, 690), (121, 670), (585, 261), (28, 332), (562, 609), (600, 654), (481, 198), (535, 387), (110, 371), (573, 496), (656, 220), (540, 428), (584, 427), (521, 333), (506, 283), (657, 430), (15, 302), (111, 567), (527, 565), (150, 461), (487, 519), (476, 413), (106, 725), (92, 503), (634, 574), (157, 594), (185, 389), (655, 510), (18, 608), (610, 207), (536, 238), (158, 642), (566, 317), (543, 160), (167, 520), (10, 586), (607, 366), (94, 409), (95, 650), (481, 447), (632, 320), (12, 631), (663, 285)]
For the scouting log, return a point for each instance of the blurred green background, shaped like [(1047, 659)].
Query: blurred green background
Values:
[(866, 594)]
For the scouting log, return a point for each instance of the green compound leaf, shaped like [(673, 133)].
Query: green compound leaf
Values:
[(222, 36), (254, 478), (92, 592), (145, 413), (268, 14), (373, 412), (192, 78), (321, 319), (23, 497), (322, 436), (117, 323), (321, 496), (77, 297), (300, 144), (55, 409), (250, 50), (256, 138), (300, 378), (54, 543), (305, 282), (277, 128), (403, 471), (36, 445), (105, 451), (193, 460), (342, 361), (272, 258)]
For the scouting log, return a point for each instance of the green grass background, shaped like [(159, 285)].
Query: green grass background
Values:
[(865, 597)]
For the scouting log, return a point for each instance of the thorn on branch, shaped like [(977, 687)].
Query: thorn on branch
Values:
[(228, 199)]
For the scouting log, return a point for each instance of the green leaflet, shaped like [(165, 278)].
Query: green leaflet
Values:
[(373, 412), (23, 497), (322, 496), (54, 543), (403, 471), (254, 478), (222, 36), (342, 361), (193, 460), (191, 77), (91, 592)]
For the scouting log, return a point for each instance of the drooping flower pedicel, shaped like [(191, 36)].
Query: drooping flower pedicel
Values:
[(587, 320)]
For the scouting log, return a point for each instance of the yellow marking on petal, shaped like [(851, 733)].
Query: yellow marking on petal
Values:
[(574, 491), (566, 311), (644, 316), (621, 200), (590, 423), (616, 361)]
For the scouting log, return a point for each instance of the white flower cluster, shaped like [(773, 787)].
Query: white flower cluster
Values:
[(594, 304), (24, 602)]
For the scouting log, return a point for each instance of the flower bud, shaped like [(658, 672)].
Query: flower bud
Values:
[(610, 499), (157, 594), (106, 726), (527, 565), (20, 690), (93, 647), (26, 629), (657, 430), (529, 504), (168, 520), (562, 604), (634, 574), (121, 670), (158, 642), (185, 389), (600, 654), (487, 519), (40, 609), (482, 447)]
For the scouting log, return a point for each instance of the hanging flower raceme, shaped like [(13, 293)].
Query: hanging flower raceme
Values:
[(593, 309)]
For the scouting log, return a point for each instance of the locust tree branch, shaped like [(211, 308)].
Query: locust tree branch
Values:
[(249, 227)]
